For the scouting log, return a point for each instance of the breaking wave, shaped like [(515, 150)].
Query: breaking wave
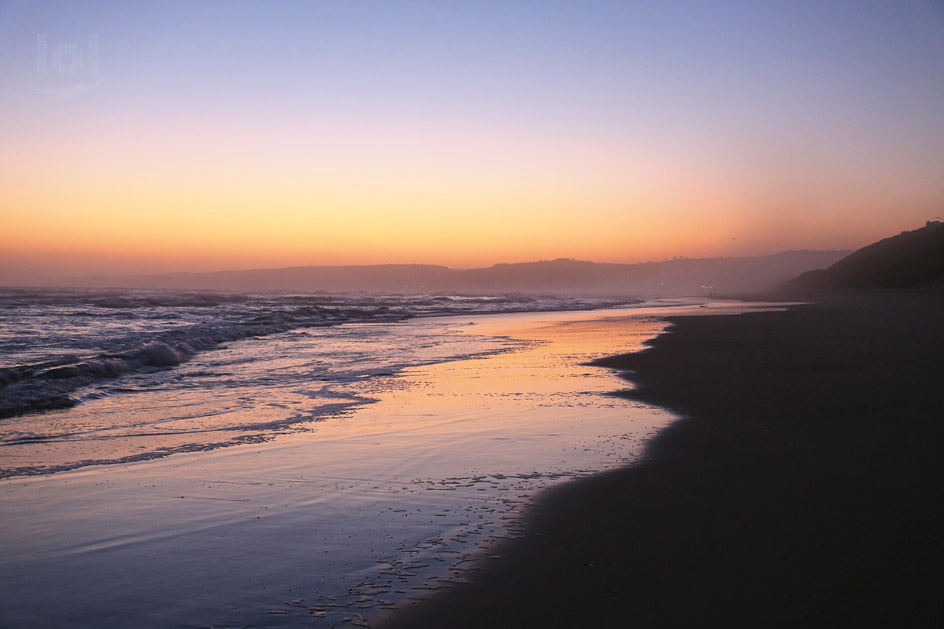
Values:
[(71, 345)]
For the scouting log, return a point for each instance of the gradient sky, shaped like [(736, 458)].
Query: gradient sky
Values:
[(211, 135)]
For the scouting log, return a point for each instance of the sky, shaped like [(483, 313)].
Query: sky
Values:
[(150, 137)]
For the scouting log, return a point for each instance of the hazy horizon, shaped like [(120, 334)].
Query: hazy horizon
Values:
[(562, 277), (157, 138), (100, 279), (45, 272)]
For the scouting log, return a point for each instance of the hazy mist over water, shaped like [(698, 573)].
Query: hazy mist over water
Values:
[(559, 277)]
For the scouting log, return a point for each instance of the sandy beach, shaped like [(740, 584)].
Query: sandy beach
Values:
[(801, 488), (339, 523)]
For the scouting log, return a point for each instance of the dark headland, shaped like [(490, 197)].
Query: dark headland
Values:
[(803, 486)]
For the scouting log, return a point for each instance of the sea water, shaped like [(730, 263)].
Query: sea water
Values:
[(92, 377)]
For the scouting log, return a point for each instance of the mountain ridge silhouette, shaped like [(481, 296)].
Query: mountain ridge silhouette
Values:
[(681, 276)]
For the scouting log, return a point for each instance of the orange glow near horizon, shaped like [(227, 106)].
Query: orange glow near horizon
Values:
[(229, 205), (245, 206)]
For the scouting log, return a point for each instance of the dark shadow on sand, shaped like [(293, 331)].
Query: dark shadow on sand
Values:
[(804, 487)]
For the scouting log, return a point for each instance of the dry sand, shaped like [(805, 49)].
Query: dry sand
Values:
[(803, 487)]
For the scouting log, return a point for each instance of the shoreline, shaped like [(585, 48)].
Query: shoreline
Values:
[(801, 486), (372, 507)]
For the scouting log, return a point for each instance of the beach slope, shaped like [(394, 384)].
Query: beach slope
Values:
[(801, 488)]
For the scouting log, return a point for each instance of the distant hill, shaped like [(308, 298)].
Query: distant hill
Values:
[(910, 260), (564, 276)]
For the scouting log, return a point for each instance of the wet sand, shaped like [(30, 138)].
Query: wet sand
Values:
[(803, 486), (335, 525)]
